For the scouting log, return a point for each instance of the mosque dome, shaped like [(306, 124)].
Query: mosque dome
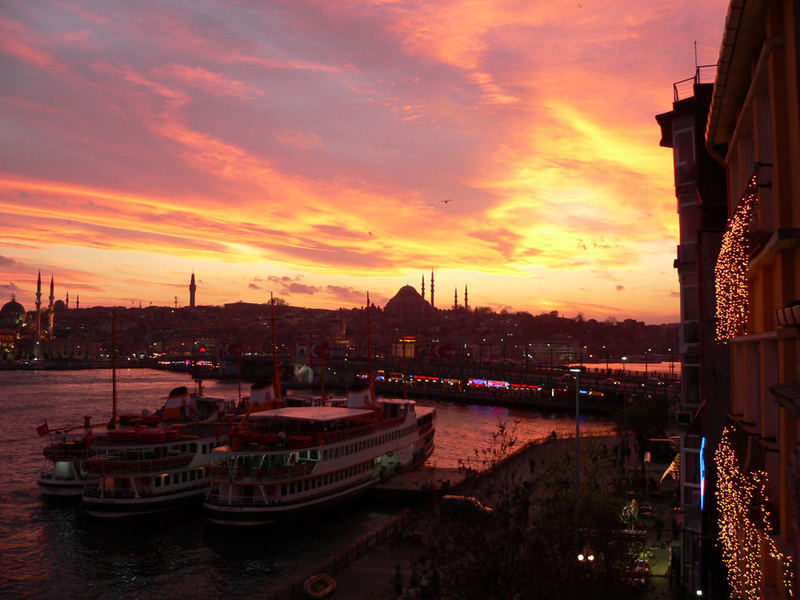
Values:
[(406, 303), (12, 314), (59, 306)]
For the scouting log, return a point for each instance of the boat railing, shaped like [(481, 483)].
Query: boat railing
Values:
[(66, 452), (214, 498), (423, 429), (348, 434), (96, 492), (274, 474), (112, 465)]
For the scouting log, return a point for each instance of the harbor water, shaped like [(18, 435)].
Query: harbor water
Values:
[(53, 550)]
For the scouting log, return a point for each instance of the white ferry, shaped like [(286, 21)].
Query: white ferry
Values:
[(154, 463), (287, 462)]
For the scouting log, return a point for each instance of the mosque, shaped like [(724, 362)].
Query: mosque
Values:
[(407, 303), (14, 324)]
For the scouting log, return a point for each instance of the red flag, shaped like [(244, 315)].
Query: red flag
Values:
[(320, 351), (43, 429), (89, 439)]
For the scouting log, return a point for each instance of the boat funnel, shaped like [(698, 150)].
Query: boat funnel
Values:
[(358, 399), (261, 392)]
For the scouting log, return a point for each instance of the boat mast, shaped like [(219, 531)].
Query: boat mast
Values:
[(370, 377), (276, 381), (113, 423)]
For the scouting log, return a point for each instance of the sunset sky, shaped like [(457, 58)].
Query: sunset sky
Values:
[(306, 148)]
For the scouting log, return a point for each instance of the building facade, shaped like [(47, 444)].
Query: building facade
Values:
[(700, 192), (754, 131)]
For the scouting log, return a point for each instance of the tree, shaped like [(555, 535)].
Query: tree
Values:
[(642, 418), (527, 547)]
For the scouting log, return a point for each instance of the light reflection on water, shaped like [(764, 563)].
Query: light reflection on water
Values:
[(51, 549)]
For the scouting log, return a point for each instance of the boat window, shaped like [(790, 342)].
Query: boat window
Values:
[(184, 477), (166, 479), (192, 475), (291, 488), (283, 489), (158, 481), (314, 454), (193, 448)]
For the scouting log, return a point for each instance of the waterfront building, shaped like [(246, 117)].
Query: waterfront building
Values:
[(702, 407), (754, 131)]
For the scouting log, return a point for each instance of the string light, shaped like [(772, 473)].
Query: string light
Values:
[(730, 272), (743, 531)]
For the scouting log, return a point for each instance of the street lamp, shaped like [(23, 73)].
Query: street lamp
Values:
[(605, 354), (624, 359), (577, 372), (645, 363), (671, 365)]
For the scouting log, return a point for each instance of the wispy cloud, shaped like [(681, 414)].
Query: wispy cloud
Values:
[(317, 142)]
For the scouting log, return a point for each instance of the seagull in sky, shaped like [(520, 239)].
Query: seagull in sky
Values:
[(445, 201)]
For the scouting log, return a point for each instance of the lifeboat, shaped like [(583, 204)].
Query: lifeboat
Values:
[(320, 585), (300, 441), (151, 435), (122, 435)]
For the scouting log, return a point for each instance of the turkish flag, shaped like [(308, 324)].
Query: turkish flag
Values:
[(43, 429), (321, 351)]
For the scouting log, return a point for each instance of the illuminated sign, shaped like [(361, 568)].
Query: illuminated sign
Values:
[(702, 472)]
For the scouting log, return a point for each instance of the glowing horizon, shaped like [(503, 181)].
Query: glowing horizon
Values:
[(308, 150)]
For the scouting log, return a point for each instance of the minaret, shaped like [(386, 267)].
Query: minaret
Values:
[(66, 304), (455, 298), (423, 286), (78, 302), (432, 306), (39, 307), (192, 290), (51, 311), (466, 298)]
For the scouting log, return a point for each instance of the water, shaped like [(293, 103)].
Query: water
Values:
[(52, 550)]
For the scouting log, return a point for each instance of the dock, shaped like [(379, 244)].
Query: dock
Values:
[(420, 484)]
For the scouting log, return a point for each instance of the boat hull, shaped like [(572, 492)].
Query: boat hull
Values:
[(116, 508), (250, 516), (61, 489)]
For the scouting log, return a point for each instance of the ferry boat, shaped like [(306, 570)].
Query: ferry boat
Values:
[(154, 463), (64, 474), (287, 462)]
